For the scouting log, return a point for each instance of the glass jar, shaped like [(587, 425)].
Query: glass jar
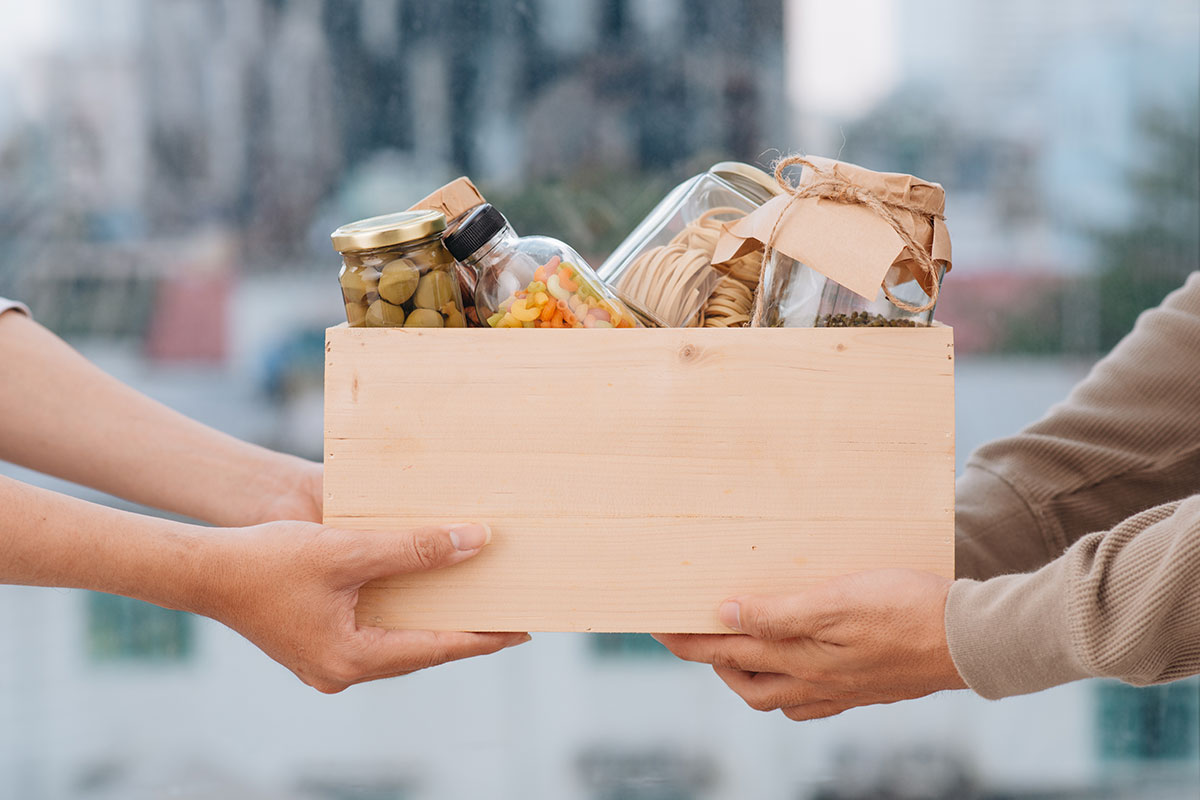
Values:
[(797, 296), (531, 281), (395, 272), (664, 271)]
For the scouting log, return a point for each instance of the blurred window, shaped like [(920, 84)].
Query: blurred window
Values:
[(1147, 724), (627, 645), (122, 629)]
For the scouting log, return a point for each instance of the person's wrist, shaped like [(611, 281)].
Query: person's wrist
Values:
[(202, 579), (167, 563), (280, 487), (951, 678)]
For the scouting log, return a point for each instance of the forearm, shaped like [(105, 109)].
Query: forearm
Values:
[(1119, 604), (61, 415), (49, 539), (1127, 439)]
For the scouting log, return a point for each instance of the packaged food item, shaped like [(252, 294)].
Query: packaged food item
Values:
[(457, 199), (531, 281), (846, 247), (395, 272), (664, 270)]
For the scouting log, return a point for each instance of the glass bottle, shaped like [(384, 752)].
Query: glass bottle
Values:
[(531, 281), (395, 272)]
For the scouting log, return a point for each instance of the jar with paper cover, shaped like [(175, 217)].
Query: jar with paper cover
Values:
[(848, 247)]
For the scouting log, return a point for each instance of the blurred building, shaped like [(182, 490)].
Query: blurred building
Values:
[(149, 120), (1031, 114)]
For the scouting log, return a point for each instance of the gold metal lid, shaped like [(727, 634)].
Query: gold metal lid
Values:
[(387, 230), (751, 181)]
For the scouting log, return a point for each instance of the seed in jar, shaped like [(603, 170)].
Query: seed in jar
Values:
[(382, 314), (398, 281), (357, 283), (424, 318), (356, 314), (435, 289), (863, 319)]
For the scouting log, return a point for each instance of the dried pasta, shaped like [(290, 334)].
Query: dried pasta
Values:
[(678, 283)]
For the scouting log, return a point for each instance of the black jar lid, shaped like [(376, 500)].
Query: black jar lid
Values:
[(480, 225)]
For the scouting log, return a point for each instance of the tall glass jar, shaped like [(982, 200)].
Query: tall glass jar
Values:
[(531, 281), (395, 272), (664, 271)]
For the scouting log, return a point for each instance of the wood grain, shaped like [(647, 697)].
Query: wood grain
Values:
[(634, 479)]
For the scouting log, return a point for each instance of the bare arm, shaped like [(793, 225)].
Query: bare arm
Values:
[(288, 587), (61, 415)]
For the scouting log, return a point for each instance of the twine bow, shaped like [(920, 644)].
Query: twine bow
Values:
[(829, 186)]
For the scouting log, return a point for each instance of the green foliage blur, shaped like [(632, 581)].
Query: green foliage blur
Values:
[(1145, 260)]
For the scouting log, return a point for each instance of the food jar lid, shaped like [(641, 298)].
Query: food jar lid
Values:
[(476, 230), (751, 181), (387, 230)]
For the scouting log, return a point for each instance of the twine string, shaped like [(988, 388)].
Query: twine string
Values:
[(829, 186)]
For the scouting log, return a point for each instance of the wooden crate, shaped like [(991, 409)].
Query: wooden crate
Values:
[(635, 479)]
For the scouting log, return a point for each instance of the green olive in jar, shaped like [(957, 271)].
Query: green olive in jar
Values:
[(357, 283), (356, 314), (435, 290), (398, 281), (454, 317), (382, 314), (424, 318)]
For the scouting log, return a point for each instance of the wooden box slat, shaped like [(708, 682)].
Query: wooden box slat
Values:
[(634, 479)]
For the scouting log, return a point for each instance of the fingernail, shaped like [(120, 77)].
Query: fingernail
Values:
[(471, 536), (731, 615), (524, 638)]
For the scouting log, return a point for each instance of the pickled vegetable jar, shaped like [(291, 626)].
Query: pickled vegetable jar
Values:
[(531, 281), (396, 273)]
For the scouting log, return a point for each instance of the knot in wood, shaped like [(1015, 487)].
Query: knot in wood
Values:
[(688, 352)]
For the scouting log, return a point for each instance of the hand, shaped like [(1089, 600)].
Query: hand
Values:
[(291, 587), (870, 637), (295, 491)]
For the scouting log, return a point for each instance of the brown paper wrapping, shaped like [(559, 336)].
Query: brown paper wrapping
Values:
[(455, 198), (844, 240)]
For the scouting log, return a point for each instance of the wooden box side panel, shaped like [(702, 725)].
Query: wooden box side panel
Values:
[(634, 479)]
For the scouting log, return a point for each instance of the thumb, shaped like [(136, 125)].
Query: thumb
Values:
[(384, 553), (785, 616)]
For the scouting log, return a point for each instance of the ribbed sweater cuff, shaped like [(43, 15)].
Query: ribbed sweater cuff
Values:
[(1010, 635)]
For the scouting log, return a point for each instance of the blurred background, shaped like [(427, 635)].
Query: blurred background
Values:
[(170, 171)]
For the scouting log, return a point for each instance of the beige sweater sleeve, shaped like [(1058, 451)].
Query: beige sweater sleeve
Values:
[(1126, 441)]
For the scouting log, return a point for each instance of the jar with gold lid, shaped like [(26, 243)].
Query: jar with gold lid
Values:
[(396, 273)]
